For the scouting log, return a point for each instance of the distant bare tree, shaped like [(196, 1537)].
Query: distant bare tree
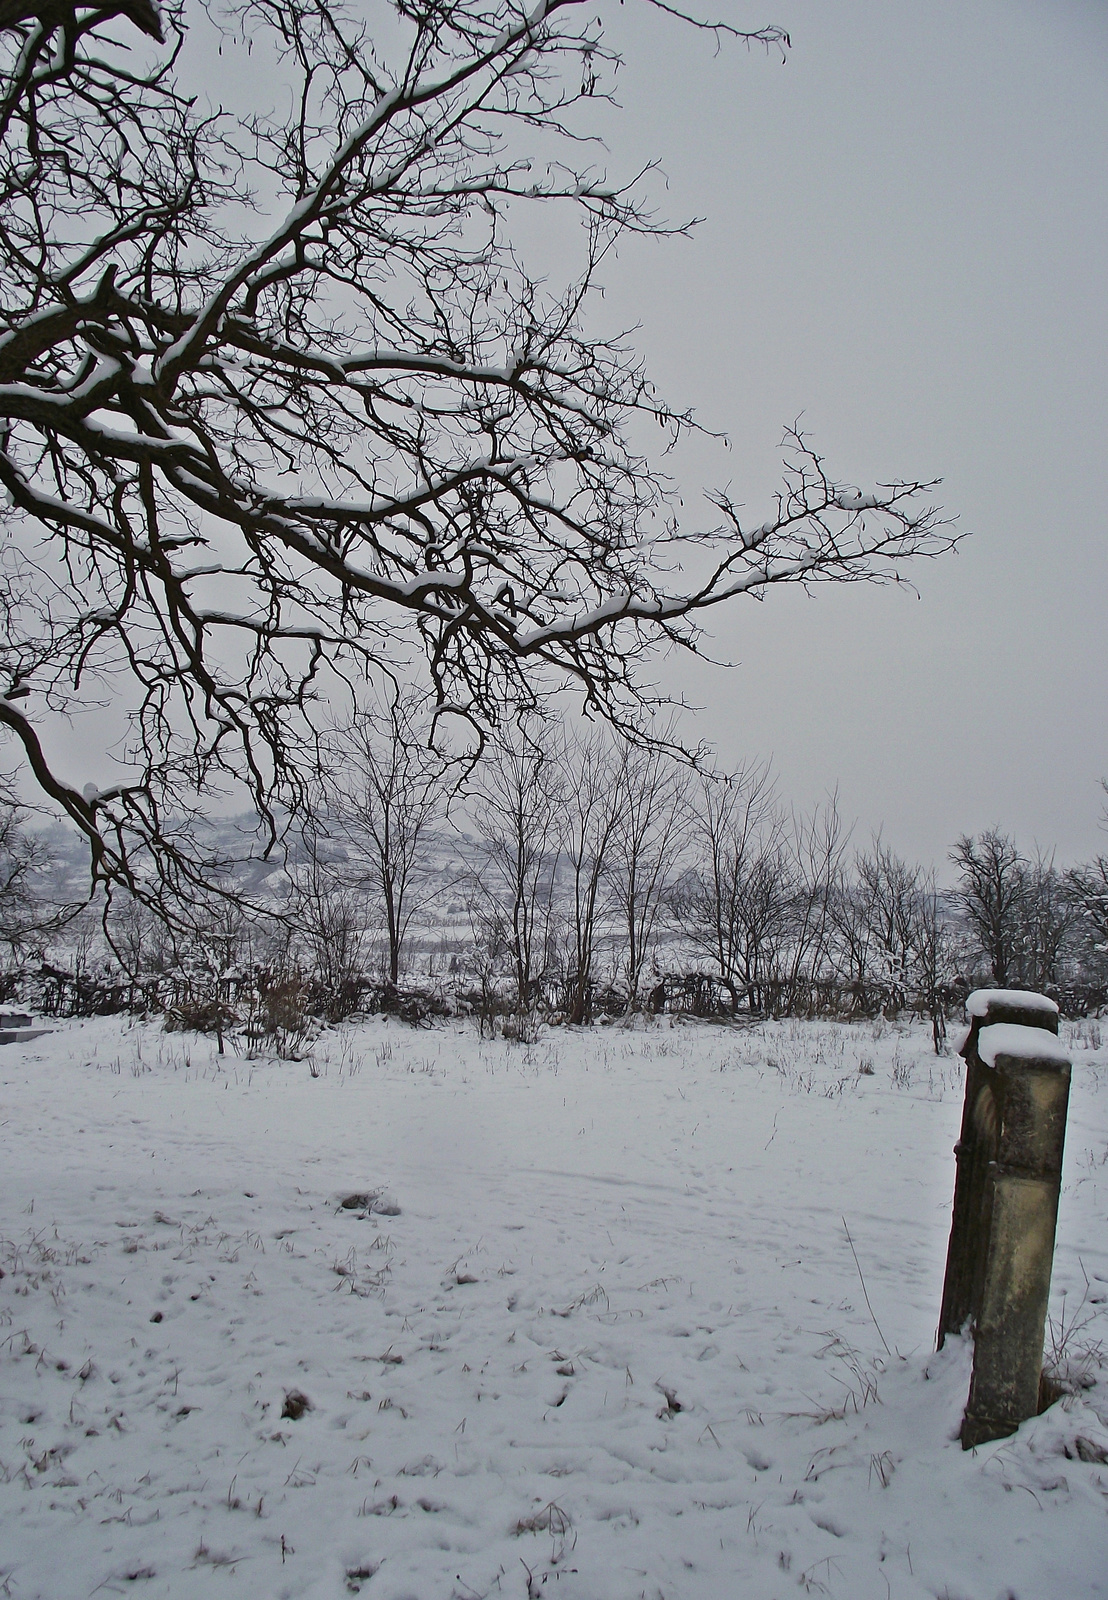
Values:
[(932, 957), (724, 905), (489, 947), (651, 829), (1088, 887), (389, 786), (515, 799), (853, 944), (18, 860), (30, 909), (888, 893), (817, 845), (223, 941), (590, 820), (327, 910), (1049, 915), (992, 892), (767, 907), (140, 943)]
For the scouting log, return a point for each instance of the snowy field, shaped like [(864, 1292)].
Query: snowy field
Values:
[(593, 1331)]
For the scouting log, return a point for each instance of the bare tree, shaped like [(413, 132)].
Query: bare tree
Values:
[(768, 902), (817, 847), (488, 928), (895, 929), (887, 891), (725, 904), (932, 956), (141, 945), (645, 861), (590, 819), (991, 892), (516, 798), (853, 944), (223, 943), (1049, 916), (1087, 887), (390, 791), (27, 910), (328, 911), (281, 407)]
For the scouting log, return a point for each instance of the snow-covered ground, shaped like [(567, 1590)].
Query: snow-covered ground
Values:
[(600, 1335)]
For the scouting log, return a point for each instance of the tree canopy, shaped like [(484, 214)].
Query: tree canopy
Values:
[(283, 409)]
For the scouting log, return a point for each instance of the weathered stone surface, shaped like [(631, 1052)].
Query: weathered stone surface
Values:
[(1009, 1165)]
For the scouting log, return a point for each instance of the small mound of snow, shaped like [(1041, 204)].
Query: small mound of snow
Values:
[(1024, 1044), (980, 1001)]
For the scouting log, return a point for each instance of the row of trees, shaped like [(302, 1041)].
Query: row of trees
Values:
[(569, 875), (610, 868)]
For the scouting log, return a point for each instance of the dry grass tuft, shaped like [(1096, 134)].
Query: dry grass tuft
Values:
[(551, 1519), (296, 1404)]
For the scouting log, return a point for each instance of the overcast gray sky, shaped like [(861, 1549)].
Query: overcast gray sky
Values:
[(904, 242)]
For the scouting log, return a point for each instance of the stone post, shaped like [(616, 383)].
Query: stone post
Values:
[(1009, 1171)]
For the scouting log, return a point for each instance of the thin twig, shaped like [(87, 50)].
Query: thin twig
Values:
[(865, 1291)]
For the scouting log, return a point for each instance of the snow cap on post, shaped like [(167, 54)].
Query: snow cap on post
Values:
[(1019, 1043), (986, 1007), (982, 1002)]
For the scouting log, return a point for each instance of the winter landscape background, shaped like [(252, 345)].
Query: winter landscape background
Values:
[(478, 1076)]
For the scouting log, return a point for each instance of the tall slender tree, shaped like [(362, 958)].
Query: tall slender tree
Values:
[(389, 782)]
